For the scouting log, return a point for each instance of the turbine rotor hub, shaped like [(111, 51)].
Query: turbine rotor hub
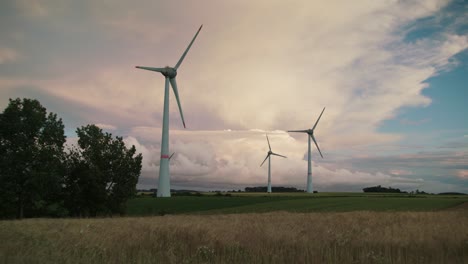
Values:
[(169, 72)]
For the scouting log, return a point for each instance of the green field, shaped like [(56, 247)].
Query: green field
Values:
[(291, 202)]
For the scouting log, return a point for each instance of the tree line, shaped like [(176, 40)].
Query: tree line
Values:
[(380, 189), (273, 189), (40, 177)]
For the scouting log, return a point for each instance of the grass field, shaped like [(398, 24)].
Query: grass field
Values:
[(296, 202), (259, 228)]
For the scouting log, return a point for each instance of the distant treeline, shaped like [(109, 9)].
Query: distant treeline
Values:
[(273, 189), (380, 189)]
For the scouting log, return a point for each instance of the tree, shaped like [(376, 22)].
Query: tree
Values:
[(31, 150), (381, 189), (101, 173)]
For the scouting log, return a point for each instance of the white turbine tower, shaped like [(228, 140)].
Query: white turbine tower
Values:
[(310, 132), (269, 163), (170, 73)]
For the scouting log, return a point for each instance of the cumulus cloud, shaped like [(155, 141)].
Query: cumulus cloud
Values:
[(255, 67), (213, 159), (353, 60), (150, 154)]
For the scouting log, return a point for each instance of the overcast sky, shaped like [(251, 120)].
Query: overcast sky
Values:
[(392, 75)]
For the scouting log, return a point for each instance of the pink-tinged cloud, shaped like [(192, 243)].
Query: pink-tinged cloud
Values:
[(232, 159), (8, 55), (400, 172), (462, 174), (264, 65)]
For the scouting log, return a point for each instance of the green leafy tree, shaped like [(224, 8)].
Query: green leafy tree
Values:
[(101, 173), (31, 151)]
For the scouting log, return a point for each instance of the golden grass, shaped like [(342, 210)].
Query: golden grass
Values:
[(279, 237)]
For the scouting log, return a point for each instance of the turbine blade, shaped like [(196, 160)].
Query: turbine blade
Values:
[(313, 138), (185, 52), (299, 131), (268, 155), (278, 155), (268, 142), (150, 68), (176, 92), (171, 156), (318, 119)]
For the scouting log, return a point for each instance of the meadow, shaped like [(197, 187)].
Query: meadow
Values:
[(258, 228), (291, 202)]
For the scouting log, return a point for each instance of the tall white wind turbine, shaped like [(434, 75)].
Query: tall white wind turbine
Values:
[(170, 73), (310, 132), (269, 163)]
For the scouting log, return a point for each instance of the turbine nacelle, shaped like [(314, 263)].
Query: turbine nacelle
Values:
[(169, 72), (310, 132), (269, 153)]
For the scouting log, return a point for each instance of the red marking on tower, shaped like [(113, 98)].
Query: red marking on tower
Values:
[(164, 156)]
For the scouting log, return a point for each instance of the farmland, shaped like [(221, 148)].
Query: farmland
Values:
[(295, 202), (244, 228)]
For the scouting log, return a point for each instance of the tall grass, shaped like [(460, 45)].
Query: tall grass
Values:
[(279, 237)]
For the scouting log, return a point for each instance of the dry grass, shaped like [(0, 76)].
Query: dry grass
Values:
[(280, 237)]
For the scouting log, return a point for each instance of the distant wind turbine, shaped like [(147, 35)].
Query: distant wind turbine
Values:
[(170, 73), (310, 132), (269, 163)]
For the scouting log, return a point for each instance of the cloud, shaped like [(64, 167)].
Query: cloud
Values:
[(231, 159), (352, 60), (33, 8), (400, 172), (462, 174), (150, 154), (106, 126), (255, 67), (8, 55)]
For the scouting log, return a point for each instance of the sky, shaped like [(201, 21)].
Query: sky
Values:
[(392, 75)]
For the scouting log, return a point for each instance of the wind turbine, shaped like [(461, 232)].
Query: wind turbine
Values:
[(170, 73), (310, 132), (269, 163)]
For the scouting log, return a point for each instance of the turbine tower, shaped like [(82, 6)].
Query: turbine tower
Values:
[(269, 163), (170, 73), (310, 132)]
